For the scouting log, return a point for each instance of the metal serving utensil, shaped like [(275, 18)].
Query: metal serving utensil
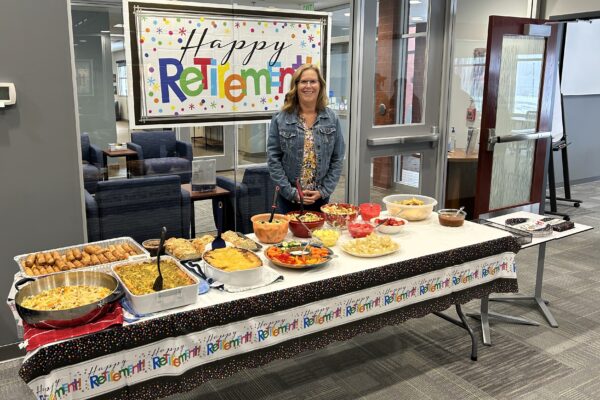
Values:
[(312, 240)]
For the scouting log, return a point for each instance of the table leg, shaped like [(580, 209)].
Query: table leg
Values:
[(485, 316), (105, 163), (128, 160), (193, 221), (463, 324), (537, 298), (485, 323)]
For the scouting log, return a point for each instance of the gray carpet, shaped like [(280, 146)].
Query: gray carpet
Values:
[(428, 358)]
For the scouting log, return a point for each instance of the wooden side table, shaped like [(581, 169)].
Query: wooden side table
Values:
[(460, 180), (196, 196), (127, 153)]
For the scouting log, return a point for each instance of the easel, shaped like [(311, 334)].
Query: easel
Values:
[(561, 146)]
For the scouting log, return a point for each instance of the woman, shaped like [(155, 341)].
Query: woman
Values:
[(305, 144)]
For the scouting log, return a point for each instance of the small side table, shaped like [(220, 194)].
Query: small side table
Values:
[(127, 153), (537, 298), (196, 196)]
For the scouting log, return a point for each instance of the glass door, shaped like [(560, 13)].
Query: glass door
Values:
[(400, 45), (516, 115)]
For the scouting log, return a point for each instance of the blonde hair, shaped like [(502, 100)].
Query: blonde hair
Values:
[(291, 103)]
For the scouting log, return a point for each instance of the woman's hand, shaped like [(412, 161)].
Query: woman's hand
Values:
[(310, 196)]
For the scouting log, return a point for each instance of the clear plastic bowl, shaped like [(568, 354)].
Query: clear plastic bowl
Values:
[(409, 212), (451, 217)]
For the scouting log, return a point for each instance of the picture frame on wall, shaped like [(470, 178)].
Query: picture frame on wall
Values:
[(84, 74)]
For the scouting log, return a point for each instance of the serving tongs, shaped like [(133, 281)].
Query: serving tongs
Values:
[(274, 206), (158, 283)]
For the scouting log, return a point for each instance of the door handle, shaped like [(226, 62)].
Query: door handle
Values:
[(493, 138), (385, 141)]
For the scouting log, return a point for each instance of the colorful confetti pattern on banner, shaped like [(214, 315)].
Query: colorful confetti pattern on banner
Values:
[(205, 65)]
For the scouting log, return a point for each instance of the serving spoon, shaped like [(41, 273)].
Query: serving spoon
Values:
[(274, 206), (312, 240), (158, 283)]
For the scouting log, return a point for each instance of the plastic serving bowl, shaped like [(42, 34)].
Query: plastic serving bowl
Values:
[(408, 212), (335, 216), (273, 232), (451, 217), (386, 227), (298, 229), (360, 229)]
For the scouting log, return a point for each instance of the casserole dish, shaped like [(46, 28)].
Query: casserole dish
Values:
[(152, 302)]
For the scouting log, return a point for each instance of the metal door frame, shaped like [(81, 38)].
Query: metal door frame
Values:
[(368, 141)]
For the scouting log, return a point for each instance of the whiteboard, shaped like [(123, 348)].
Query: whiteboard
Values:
[(581, 61)]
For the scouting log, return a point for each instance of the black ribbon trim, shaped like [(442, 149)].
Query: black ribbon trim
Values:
[(131, 336)]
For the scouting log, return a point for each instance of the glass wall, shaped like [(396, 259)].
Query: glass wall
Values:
[(401, 67), (468, 69), (237, 150)]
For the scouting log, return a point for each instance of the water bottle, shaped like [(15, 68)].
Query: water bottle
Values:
[(452, 140)]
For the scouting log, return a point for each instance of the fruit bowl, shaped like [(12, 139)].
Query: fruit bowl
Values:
[(412, 207), (391, 226), (360, 229), (329, 236), (270, 232), (311, 219), (369, 211), (339, 214)]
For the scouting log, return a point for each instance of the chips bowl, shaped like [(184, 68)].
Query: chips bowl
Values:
[(409, 212)]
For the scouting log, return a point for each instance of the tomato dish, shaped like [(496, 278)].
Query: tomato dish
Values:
[(298, 255)]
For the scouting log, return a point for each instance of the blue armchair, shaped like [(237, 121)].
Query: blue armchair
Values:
[(138, 208), (93, 164), (160, 153), (253, 195)]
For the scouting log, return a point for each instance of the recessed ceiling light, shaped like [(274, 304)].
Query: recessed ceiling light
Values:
[(118, 26), (82, 41), (346, 14), (414, 2), (417, 18), (104, 31)]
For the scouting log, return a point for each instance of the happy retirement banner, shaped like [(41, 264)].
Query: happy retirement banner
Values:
[(193, 64), (173, 356)]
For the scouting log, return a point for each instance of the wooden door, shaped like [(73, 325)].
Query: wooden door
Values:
[(521, 64)]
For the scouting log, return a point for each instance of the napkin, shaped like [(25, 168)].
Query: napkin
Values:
[(36, 337)]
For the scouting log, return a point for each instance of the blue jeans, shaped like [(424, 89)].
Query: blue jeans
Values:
[(284, 206)]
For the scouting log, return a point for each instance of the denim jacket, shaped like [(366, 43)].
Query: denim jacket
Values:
[(285, 148)]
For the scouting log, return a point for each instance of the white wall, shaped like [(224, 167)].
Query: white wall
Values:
[(560, 7), (580, 112), (471, 33)]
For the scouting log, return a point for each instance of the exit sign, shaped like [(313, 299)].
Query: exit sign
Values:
[(308, 6)]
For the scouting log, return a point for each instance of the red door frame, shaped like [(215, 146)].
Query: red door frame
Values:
[(497, 28)]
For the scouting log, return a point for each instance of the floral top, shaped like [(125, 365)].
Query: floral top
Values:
[(309, 161)]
